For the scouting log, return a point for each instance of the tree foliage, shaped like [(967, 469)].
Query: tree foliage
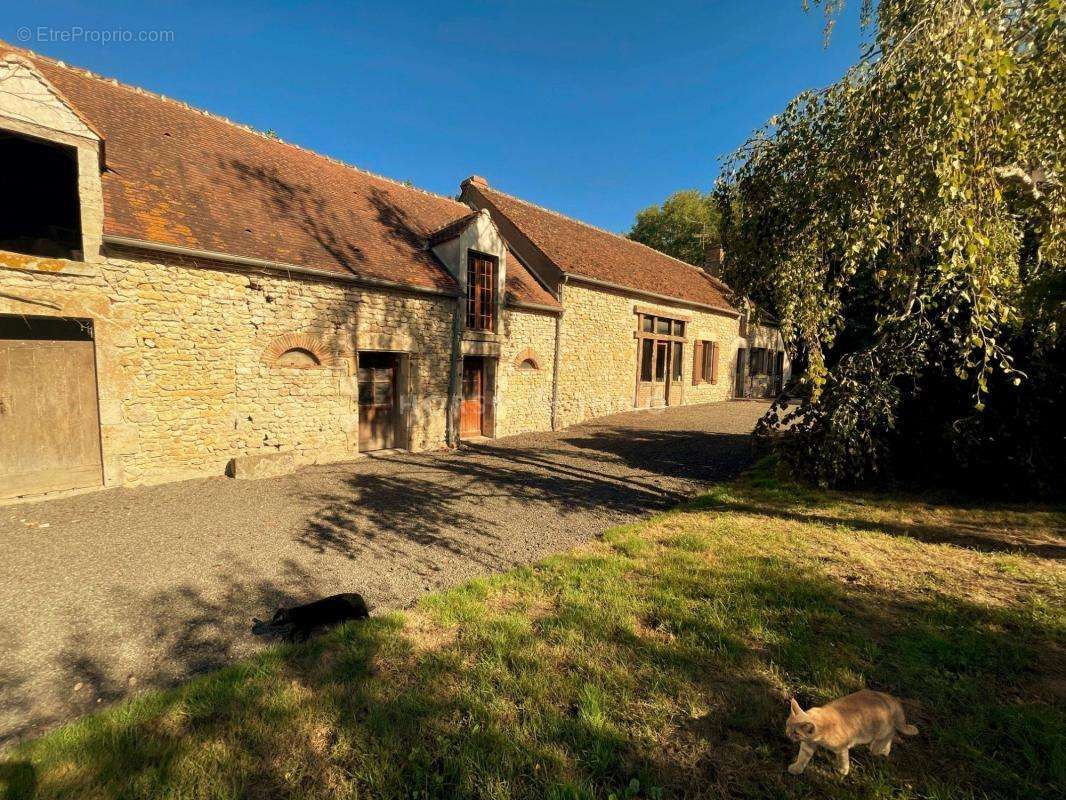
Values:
[(681, 226), (906, 226)]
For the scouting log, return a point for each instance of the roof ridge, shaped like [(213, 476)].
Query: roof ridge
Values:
[(219, 118), (568, 218)]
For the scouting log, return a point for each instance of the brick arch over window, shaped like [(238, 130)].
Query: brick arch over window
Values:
[(527, 359), (304, 344)]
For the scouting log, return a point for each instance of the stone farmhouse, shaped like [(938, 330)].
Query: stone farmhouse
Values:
[(181, 295)]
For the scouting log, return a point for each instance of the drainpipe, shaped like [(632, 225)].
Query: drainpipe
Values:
[(451, 435), (555, 361)]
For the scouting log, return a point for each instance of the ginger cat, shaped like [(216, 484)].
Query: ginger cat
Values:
[(865, 717)]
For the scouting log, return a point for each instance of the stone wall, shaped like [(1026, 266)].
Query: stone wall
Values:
[(182, 380), (599, 324), (187, 380), (524, 395)]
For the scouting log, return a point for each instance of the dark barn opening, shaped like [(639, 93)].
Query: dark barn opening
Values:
[(57, 329), (39, 210)]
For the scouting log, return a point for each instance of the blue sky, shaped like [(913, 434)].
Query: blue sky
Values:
[(596, 109)]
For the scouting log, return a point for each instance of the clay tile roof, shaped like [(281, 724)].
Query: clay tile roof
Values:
[(521, 287), (451, 230), (586, 251), (179, 176)]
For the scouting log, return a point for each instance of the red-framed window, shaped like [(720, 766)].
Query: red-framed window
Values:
[(480, 292)]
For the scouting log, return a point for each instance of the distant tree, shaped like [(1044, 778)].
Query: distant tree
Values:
[(680, 227)]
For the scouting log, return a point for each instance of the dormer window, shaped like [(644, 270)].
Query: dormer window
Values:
[(480, 292), (40, 214)]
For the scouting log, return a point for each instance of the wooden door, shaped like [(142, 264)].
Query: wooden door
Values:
[(377, 401), (742, 372), (660, 372), (472, 410), (49, 418), (674, 385)]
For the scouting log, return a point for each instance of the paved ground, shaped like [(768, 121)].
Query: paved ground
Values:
[(106, 593)]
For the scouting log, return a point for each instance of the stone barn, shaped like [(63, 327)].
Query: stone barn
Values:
[(181, 295)]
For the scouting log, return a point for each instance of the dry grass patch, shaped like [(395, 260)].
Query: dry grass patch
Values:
[(425, 633)]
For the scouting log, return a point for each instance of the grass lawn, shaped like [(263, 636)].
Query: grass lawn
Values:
[(656, 663)]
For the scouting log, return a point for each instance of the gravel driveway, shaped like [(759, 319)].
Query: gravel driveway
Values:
[(106, 593)]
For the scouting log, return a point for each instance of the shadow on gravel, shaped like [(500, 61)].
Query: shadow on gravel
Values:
[(426, 516), (440, 502), (187, 632)]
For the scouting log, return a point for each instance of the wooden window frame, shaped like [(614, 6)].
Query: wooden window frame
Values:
[(646, 348), (481, 291), (705, 362), (677, 361), (660, 356), (671, 320)]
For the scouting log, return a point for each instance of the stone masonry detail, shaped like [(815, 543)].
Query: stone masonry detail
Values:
[(181, 382), (600, 324), (524, 395)]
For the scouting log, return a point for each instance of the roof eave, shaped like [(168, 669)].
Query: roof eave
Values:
[(726, 310), (522, 305), (274, 266)]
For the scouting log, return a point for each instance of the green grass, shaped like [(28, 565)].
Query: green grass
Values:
[(656, 663)]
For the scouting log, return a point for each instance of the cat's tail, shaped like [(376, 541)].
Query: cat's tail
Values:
[(900, 723)]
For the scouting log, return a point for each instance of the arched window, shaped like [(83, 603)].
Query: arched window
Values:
[(300, 350), (527, 360), (297, 357)]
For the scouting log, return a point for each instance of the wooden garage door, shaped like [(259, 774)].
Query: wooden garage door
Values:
[(49, 421)]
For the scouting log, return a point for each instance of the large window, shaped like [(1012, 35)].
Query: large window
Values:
[(40, 214), (480, 292), (662, 326), (661, 348), (765, 361)]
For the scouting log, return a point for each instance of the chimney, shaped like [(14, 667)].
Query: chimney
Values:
[(713, 259), (476, 180)]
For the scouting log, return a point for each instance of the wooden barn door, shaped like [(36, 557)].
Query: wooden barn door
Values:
[(377, 401), (49, 417), (472, 410)]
